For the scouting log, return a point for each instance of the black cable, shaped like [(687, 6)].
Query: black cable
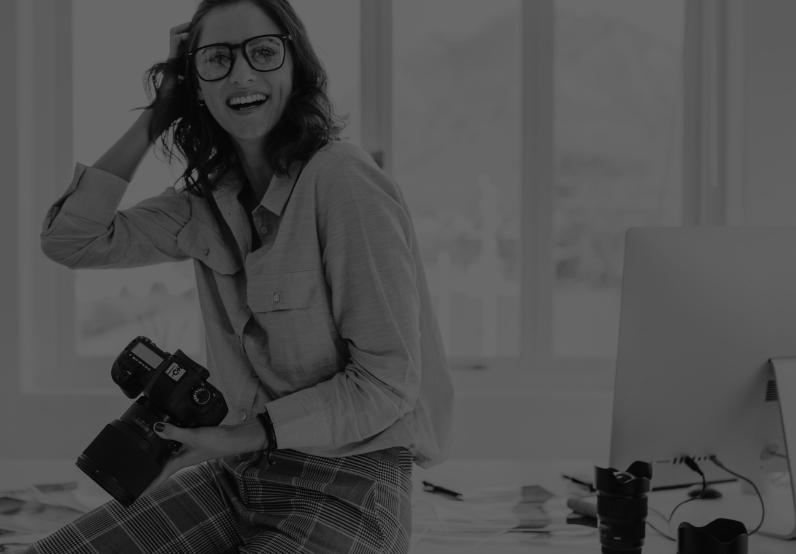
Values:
[(691, 463), (661, 533), (693, 466), (677, 507), (717, 463)]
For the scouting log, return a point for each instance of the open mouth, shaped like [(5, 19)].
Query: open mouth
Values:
[(247, 103)]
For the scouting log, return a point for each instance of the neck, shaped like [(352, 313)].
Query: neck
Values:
[(256, 167)]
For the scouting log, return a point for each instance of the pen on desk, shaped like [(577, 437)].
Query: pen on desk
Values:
[(431, 487), (579, 482)]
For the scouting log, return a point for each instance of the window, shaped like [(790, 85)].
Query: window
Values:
[(618, 143), (462, 78), (456, 154)]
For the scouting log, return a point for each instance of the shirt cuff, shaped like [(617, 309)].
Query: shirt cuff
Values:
[(93, 195), (299, 421)]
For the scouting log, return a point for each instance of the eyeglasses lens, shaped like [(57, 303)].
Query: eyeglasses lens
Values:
[(214, 62)]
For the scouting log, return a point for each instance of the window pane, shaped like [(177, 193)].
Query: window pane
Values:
[(110, 57), (618, 127), (456, 139)]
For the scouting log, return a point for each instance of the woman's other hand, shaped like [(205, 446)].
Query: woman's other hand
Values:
[(207, 443)]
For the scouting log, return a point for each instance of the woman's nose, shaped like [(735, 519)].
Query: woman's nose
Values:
[(241, 71)]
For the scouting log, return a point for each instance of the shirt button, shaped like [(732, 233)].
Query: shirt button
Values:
[(264, 229), (243, 416), (205, 251)]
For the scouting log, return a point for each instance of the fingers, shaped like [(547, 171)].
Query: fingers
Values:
[(177, 37), (174, 433), (181, 28)]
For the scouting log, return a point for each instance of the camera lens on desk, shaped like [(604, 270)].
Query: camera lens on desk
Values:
[(622, 507)]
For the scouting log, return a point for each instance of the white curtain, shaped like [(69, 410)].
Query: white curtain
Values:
[(713, 88)]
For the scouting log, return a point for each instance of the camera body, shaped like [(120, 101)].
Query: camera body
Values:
[(126, 456)]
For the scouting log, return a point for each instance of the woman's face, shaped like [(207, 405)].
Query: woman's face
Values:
[(249, 122)]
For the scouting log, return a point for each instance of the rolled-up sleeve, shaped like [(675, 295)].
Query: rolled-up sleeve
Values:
[(84, 228), (366, 238)]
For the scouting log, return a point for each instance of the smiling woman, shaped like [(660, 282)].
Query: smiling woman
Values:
[(319, 327), (245, 107), (100, 311)]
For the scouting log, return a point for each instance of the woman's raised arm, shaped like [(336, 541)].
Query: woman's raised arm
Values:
[(123, 158)]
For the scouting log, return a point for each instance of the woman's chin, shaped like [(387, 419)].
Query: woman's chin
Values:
[(248, 135)]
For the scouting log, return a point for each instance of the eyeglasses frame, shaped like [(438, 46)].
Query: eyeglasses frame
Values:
[(284, 37)]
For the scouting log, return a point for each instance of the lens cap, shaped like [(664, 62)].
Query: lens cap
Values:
[(720, 536)]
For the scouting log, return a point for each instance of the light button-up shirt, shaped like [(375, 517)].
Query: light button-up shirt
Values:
[(324, 319)]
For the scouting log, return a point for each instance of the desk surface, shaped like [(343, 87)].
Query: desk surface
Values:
[(471, 477), (474, 475)]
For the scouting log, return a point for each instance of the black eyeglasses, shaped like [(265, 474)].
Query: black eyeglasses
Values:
[(263, 53)]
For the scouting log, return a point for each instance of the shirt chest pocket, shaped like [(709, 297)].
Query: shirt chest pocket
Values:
[(291, 308), (282, 291), (203, 242)]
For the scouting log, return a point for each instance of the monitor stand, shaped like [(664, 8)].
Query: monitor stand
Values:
[(784, 370)]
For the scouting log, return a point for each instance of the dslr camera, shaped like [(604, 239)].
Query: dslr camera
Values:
[(126, 456)]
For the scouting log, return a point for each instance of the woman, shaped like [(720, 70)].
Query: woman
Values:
[(318, 321)]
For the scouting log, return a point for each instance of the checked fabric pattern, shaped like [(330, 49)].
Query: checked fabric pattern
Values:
[(298, 504)]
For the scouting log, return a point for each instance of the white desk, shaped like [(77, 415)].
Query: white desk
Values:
[(468, 476), (486, 474)]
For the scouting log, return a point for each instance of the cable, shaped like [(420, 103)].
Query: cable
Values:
[(691, 463), (677, 507), (720, 465), (661, 533), (693, 466)]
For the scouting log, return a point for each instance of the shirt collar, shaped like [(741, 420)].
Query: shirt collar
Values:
[(276, 195)]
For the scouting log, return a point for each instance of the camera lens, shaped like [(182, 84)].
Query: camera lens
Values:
[(126, 456), (622, 507), (118, 463)]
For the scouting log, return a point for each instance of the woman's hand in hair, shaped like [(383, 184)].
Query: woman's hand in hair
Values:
[(178, 36)]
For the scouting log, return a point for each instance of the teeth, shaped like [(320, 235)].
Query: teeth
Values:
[(246, 99)]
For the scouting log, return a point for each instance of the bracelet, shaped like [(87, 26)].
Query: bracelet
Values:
[(265, 420)]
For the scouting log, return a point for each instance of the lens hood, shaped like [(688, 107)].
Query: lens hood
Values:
[(720, 536), (633, 482)]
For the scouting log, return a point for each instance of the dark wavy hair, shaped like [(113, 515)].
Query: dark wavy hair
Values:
[(187, 129)]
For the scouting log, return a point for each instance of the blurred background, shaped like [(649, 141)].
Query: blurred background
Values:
[(527, 136)]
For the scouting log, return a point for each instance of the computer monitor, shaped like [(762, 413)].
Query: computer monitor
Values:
[(703, 311)]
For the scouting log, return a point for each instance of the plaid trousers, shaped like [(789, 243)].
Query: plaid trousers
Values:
[(298, 504)]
